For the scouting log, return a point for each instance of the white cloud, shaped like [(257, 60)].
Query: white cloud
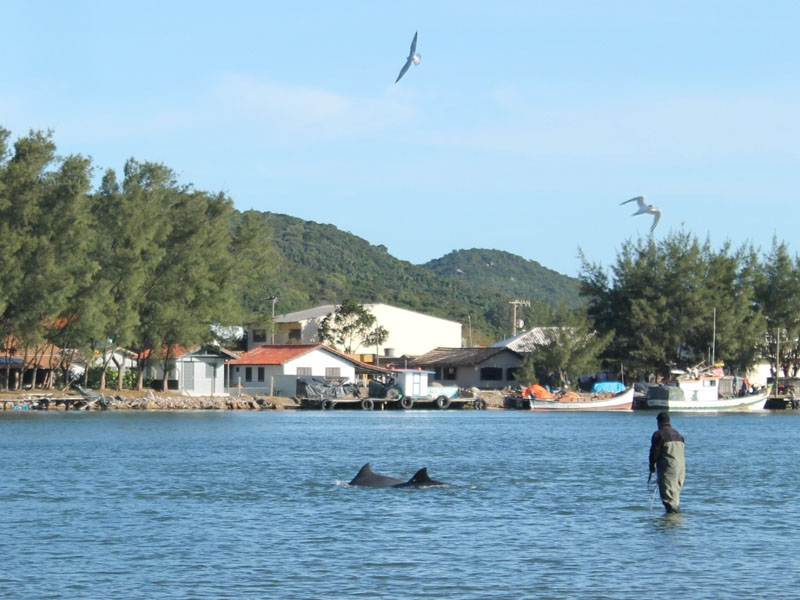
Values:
[(305, 111)]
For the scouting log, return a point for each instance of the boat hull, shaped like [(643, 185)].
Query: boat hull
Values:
[(621, 401), (752, 402)]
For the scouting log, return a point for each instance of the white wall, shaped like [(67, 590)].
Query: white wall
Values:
[(201, 384), (319, 360), (410, 333), (282, 379)]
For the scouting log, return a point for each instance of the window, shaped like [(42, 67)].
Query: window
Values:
[(294, 335), (510, 372), (304, 371), (332, 372), (449, 373), (491, 374), (211, 371), (261, 373), (248, 374), (259, 336)]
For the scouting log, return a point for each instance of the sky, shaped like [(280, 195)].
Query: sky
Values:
[(523, 129)]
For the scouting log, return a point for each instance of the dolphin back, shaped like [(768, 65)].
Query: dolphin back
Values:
[(422, 479), (367, 478)]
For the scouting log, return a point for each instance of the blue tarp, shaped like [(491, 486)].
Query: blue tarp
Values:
[(608, 387)]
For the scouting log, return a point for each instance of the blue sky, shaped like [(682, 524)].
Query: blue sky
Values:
[(523, 128)]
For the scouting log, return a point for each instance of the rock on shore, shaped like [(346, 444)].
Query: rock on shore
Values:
[(152, 402)]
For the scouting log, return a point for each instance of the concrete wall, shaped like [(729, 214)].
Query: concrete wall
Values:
[(275, 385)]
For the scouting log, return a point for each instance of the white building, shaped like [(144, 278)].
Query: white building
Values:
[(272, 370), (199, 371), (410, 333)]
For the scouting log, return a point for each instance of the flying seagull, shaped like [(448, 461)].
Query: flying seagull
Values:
[(645, 209), (413, 57)]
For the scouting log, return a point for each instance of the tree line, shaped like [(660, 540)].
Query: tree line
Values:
[(678, 302), (141, 262)]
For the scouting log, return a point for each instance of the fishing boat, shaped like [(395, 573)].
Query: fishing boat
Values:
[(621, 399), (700, 393)]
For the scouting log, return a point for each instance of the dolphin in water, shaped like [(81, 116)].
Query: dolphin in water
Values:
[(421, 479), (366, 477)]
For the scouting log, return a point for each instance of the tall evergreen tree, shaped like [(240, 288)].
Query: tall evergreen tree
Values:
[(778, 295)]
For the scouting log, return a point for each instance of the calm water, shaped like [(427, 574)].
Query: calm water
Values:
[(253, 505)]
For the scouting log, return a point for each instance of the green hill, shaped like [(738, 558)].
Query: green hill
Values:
[(323, 264), (507, 274)]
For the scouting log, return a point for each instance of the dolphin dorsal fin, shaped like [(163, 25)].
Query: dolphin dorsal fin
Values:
[(421, 477)]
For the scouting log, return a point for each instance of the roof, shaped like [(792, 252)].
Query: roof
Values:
[(305, 315), (274, 354), (280, 354), (527, 341), (458, 357), (177, 351)]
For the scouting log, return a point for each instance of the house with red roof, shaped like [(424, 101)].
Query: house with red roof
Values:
[(273, 369)]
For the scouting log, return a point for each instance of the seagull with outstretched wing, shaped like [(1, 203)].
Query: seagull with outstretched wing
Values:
[(413, 57), (645, 209)]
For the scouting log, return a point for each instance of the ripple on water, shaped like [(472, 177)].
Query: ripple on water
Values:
[(233, 505)]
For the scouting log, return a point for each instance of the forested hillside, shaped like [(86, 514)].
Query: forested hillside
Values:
[(507, 274), (326, 264)]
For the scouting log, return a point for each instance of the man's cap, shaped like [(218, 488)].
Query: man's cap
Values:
[(663, 417)]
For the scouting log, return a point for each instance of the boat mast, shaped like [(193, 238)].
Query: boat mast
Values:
[(714, 338)]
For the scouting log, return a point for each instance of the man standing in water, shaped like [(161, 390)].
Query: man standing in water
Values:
[(667, 455)]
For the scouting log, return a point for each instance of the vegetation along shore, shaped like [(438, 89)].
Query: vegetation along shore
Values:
[(146, 263)]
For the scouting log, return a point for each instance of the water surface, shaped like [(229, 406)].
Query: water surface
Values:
[(254, 505)]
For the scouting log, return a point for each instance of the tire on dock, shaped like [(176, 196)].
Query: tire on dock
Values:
[(394, 393), (367, 404), (406, 402), (442, 402)]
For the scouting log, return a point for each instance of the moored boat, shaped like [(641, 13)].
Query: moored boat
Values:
[(700, 394), (574, 401)]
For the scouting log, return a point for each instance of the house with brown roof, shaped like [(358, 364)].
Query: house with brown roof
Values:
[(484, 368), (273, 369)]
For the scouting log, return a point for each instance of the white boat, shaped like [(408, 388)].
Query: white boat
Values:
[(700, 394), (585, 402)]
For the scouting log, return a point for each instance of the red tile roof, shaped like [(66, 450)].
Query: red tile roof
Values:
[(279, 354), (276, 354)]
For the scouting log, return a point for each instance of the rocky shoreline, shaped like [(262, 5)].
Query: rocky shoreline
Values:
[(156, 401), (140, 401)]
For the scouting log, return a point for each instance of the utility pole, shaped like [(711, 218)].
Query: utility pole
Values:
[(515, 304), (272, 334)]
